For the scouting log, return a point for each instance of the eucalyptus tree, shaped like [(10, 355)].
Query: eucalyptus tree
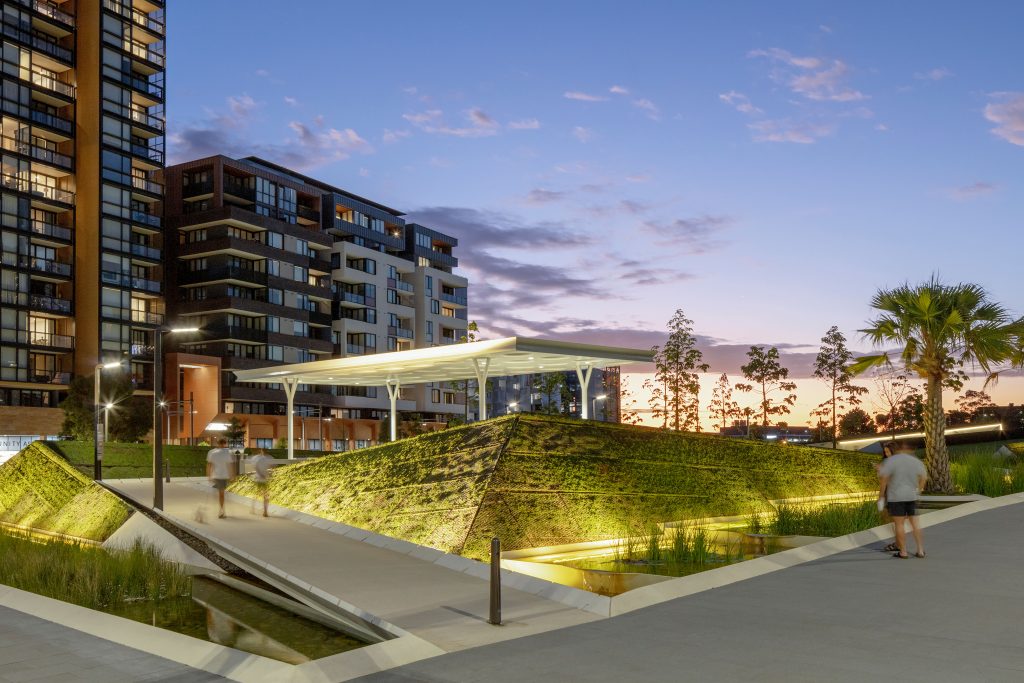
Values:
[(767, 375), (831, 366)]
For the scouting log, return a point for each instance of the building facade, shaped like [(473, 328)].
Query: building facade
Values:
[(82, 135), (275, 268)]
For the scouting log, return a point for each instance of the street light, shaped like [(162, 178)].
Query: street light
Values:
[(593, 404), (511, 407), (158, 446), (106, 420), (97, 453)]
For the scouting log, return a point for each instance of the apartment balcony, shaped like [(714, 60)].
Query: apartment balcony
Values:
[(144, 118), (51, 230), (146, 252), (359, 350), (400, 285), (400, 332), (144, 51), (50, 82), (197, 189), (148, 186), (453, 299), (147, 219), (121, 280), (50, 304), (60, 123), (154, 91), (152, 24), (53, 12), (40, 42), (224, 274), (308, 213), (448, 340), (150, 154), (22, 184), (50, 267), (234, 332), (47, 156), (237, 189), (318, 318), (147, 318), (352, 298), (48, 340), (141, 350), (41, 377), (320, 264)]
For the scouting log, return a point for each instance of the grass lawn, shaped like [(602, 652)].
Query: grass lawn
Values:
[(41, 490), (536, 480)]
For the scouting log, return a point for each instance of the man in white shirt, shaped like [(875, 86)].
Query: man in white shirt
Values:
[(219, 463), (902, 477)]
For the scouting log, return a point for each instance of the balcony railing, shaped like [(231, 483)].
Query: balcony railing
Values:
[(402, 285), (308, 213), (215, 273), (53, 121), (353, 298), (197, 189), (47, 377), (220, 332), (453, 298), (141, 84), (448, 340), (21, 184), (137, 17), (142, 51), (147, 218), (145, 251), (51, 230), (145, 118), (43, 154), (39, 41), (147, 185), (239, 190), (403, 332), (52, 267), (147, 318), (51, 82), (50, 340), (141, 350), (318, 318), (51, 11), (147, 152), (121, 280), (49, 303), (359, 349)]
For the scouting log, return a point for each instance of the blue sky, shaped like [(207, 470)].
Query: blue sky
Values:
[(763, 166)]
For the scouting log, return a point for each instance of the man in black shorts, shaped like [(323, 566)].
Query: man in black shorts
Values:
[(902, 477)]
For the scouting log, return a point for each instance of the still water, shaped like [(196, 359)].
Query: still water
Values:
[(221, 615)]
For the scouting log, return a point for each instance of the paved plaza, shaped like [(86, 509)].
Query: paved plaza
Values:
[(854, 616)]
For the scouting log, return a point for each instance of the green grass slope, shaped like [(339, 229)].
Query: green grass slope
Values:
[(132, 460), (41, 490), (537, 480)]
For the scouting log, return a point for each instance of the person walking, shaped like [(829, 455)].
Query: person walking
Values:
[(902, 476), (260, 464), (887, 450), (219, 463)]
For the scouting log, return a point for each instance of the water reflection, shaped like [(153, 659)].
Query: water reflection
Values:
[(222, 615)]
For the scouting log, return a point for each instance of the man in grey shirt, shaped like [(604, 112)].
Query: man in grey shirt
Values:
[(902, 477)]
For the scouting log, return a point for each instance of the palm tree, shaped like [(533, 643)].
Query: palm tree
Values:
[(941, 328)]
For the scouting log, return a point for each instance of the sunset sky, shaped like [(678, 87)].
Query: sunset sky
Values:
[(764, 167)]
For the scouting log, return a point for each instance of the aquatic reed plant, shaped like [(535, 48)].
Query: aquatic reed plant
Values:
[(982, 474), (830, 519), (88, 576)]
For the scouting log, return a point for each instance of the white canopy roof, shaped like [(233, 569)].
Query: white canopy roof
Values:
[(503, 357)]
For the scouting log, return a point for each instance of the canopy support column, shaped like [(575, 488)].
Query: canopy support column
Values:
[(392, 386), (290, 385), (480, 366), (584, 377)]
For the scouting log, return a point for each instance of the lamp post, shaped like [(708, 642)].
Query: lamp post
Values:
[(106, 421), (97, 453), (593, 404), (158, 446), (511, 407)]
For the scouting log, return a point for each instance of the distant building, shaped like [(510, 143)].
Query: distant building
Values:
[(276, 267), (520, 393), (778, 434)]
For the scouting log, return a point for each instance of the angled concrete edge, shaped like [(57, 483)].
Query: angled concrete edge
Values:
[(571, 597), (741, 571), (198, 654), (138, 527)]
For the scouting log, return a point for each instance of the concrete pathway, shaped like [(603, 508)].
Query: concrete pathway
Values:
[(955, 615), (32, 649), (446, 608)]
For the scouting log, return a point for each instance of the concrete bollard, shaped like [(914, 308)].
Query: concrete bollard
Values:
[(495, 582)]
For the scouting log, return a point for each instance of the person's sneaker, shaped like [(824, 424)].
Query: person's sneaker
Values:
[(221, 515)]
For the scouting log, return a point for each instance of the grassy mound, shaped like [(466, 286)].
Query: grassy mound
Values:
[(39, 489), (536, 480), (132, 460)]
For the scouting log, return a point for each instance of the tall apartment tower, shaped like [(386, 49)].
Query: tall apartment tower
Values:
[(277, 267), (82, 137)]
